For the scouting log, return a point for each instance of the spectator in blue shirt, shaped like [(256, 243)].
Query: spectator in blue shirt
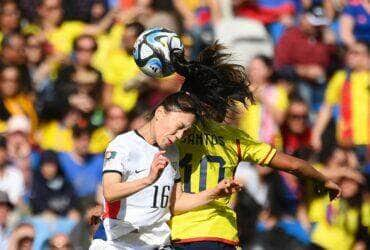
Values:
[(50, 191), (82, 169), (355, 22)]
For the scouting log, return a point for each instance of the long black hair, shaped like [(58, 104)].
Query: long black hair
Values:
[(213, 80), (212, 85)]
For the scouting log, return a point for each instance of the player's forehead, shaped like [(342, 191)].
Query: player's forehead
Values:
[(184, 119)]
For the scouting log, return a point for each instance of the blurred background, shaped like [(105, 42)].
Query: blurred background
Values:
[(69, 84)]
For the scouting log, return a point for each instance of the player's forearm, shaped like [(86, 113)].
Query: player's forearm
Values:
[(296, 166), (306, 170), (186, 202), (117, 191)]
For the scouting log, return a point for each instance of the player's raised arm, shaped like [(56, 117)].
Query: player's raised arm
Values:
[(182, 202), (114, 189), (302, 168)]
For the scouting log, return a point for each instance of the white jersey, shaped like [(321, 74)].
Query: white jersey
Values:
[(147, 210)]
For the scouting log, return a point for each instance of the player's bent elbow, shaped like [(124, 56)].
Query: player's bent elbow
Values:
[(108, 196), (176, 210)]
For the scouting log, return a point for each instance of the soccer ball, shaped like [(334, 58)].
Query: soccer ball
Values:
[(152, 51)]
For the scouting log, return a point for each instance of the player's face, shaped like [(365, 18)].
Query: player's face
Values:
[(171, 126)]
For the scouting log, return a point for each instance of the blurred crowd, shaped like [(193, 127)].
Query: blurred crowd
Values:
[(69, 84)]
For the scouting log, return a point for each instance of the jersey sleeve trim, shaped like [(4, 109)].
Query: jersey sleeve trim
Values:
[(199, 239), (239, 150), (112, 171), (269, 156)]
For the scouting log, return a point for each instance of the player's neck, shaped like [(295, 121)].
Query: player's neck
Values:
[(146, 132)]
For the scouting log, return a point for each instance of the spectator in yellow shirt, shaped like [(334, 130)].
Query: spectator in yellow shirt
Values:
[(56, 135), (120, 69), (116, 122), (336, 224), (261, 121), (60, 34), (349, 91), (15, 101)]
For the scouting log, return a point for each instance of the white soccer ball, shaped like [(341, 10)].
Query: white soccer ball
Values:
[(152, 51)]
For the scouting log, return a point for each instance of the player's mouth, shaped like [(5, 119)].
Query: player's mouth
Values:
[(170, 142)]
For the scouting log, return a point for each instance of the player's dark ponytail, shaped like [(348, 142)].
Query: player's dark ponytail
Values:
[(217, 83)]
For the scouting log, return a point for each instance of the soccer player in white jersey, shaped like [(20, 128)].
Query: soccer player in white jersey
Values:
[(140, 178)]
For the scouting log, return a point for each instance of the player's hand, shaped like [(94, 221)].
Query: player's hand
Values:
[(93, 215), (227, 187), (158, 164), (334, 190)]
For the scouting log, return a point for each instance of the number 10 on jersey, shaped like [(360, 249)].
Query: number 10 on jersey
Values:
[(185, 163)]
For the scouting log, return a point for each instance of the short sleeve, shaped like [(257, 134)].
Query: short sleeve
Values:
[(255, 151), (115, 159)]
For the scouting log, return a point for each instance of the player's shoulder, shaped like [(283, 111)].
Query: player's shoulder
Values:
[(123, 140), (229, 132)]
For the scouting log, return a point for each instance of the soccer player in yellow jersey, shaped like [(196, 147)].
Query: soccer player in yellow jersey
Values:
[(212, 151), (212, 154), (208, 156)]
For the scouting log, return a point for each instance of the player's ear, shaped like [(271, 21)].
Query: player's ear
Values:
[(159, 113)]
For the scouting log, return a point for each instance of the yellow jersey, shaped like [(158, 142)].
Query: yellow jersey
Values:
[(359, 102), (54, 136), (61, 38), (108, 42), (117, 71), (22, 104), (257, 121), (100, 139), (207, 157), (336, 223)]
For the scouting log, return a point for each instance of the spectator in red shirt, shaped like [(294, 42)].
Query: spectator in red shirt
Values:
[(302, 46), (301, 49), (296, 131)]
